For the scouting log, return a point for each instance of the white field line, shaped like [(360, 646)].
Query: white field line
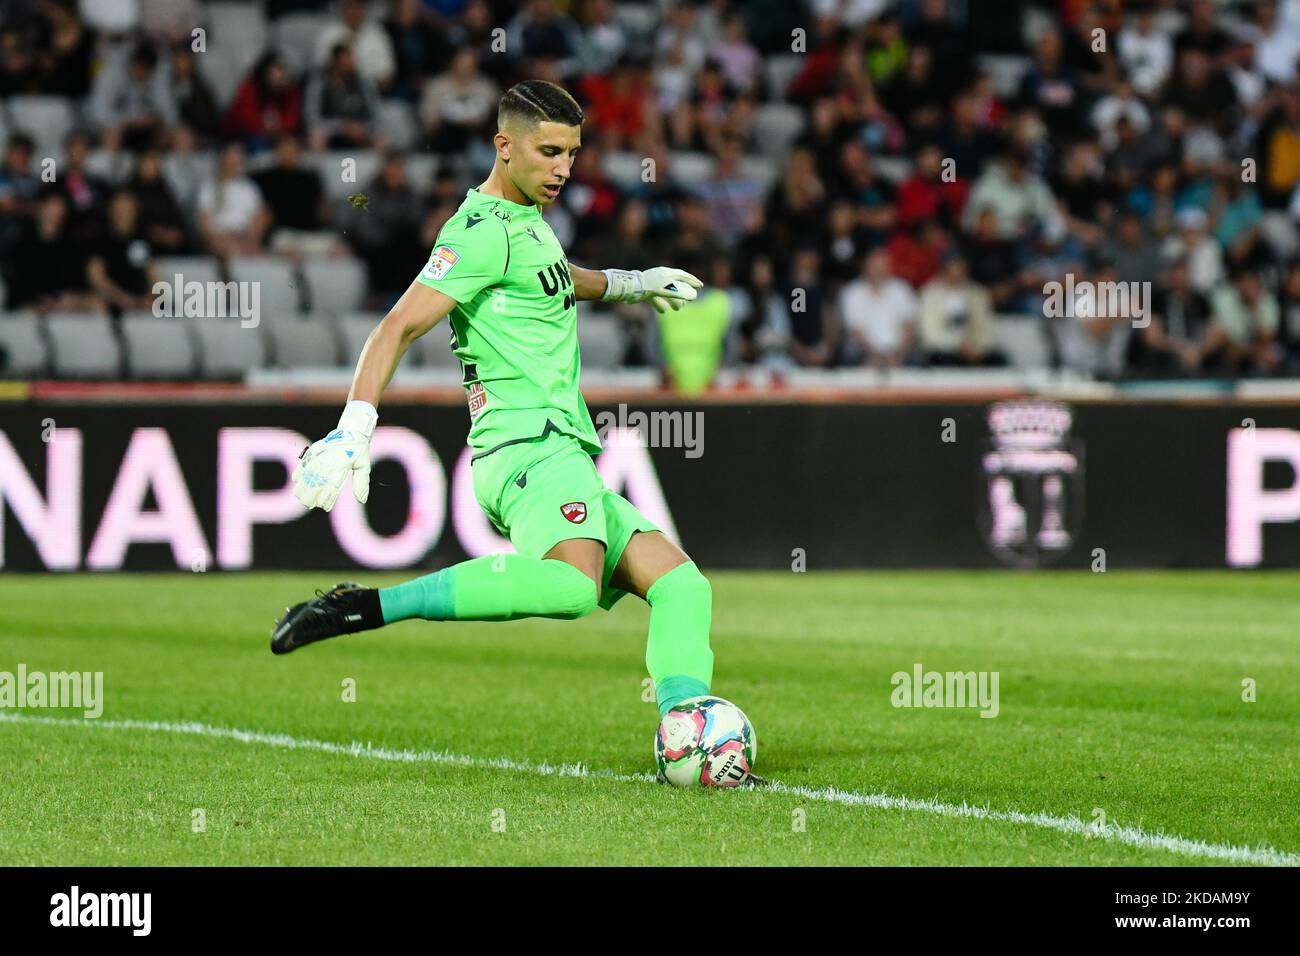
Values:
[(1129, 836)]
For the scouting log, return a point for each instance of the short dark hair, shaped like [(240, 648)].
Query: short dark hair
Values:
[(537, 101)]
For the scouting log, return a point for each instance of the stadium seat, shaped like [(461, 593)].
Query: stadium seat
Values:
[(762, 169), (186, 173), (638, 19), (335, 285), (433, 350), (780, 71), (303, 342), (776, 127), (397, 122), (622, 168), (1280, 232), (1021, 338), (330, 165), (420, 170), (114, 168), (1006, 71), (278, 284), (23, 351), (227, 350), (295, 39), (46, 119), (189, 268), (601, 341), (237, 35), (83, 345), (354, 329), (158, 347), (691, 168)]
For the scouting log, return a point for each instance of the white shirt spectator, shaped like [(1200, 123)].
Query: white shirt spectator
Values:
[(232, 204), (879, 313), (370, 45), (1147, 57)]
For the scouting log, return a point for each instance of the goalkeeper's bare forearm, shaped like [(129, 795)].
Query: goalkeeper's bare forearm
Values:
[(418, 310)]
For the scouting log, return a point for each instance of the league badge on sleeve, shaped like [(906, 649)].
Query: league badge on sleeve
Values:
[(442, 261)]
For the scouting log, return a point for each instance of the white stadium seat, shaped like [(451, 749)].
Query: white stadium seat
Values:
[(330, 165), (25, 353), (158, 347), (336, 285), (84, 345), (1021, 338), (236, 36), (397, 122), (227, 350), (776, 127), (46, 119), (303, 342), (277, 282), (780, 72), (189, 268), (601, 341), (295, 39)]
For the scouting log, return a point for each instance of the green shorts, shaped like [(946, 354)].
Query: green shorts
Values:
[(545, 490)]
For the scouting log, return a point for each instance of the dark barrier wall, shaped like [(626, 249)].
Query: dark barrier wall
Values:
[(1025, 483)]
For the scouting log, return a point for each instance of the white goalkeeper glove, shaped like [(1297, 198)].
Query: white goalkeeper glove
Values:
[(324, 466), (665, 287)]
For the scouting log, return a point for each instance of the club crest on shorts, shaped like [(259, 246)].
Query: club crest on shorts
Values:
[(575, 511)]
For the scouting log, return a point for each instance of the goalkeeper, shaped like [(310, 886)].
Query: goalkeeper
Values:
[(500, 274)]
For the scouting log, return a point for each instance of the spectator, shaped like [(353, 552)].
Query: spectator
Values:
[(763, 320), (1176, 340), (732, 196), (604, 41), (161, 221), (1193, 242), (266, 105), (121, 268), (1146, 53), (814, 326), (796, 208), (618, 105), (419, 45), (692, 340), (341, 105), (295, 198), (879, 313), (232, 217), (955, 319), (67, 65), (196, 104), (539, 32), (736, 56), (386, 232), (1246, 321), (916, 254), (929, 194), (132, 104), (48, 268), (845, 244), (18, 188), (367, 41), (873, 195), (458, 105), (1289, 317), (1134, 255), (86, 193), (1094, 338), (993, 262), (1019, 199)]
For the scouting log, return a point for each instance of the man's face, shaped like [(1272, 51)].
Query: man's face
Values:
[(540, 158)]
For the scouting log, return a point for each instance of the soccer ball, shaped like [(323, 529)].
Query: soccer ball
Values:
[(705, 742)]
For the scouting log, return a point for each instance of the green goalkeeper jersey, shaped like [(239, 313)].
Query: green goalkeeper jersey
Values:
[(515, 325)]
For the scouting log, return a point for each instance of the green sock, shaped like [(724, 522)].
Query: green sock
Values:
[(677, 653), (495, 587)]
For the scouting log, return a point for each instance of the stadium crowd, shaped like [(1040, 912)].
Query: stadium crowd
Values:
[(860, 182)]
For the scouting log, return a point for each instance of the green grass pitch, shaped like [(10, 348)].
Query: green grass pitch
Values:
[(1120, 694)]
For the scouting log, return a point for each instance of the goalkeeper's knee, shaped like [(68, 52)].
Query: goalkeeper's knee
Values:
[(575, 595)]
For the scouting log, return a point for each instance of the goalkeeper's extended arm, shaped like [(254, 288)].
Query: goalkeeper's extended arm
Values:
[(665, 287), (324, 467)]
